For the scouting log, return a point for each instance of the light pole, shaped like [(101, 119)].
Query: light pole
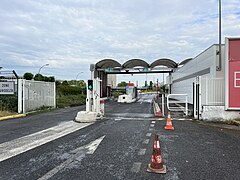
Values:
[(77, 76), (220, 35), (42, 67)]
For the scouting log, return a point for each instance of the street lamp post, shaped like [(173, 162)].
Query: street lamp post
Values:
[(77, 76), (42, 67), (220, 35)]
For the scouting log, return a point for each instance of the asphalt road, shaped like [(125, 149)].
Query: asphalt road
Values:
[(118, 147)]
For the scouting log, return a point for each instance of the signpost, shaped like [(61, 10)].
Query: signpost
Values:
[(7, 87)]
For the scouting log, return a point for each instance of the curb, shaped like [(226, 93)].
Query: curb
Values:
[(11, 117)]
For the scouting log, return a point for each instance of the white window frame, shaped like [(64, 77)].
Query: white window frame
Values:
[(236, 79)]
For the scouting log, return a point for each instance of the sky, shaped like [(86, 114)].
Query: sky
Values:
[(69, 35)]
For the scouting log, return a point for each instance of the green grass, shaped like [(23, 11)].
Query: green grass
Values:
[(70, 100), (6, 113)]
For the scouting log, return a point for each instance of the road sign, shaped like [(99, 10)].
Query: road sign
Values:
[(7, 87)]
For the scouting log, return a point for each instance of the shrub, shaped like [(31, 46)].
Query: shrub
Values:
[(8, 103)]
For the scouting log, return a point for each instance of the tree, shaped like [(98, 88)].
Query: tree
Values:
[(65, 83), (151, 85), (28, 76), (122, 84), (51, 79), (39, 77)]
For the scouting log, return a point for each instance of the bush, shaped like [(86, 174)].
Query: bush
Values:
[(71, 100), (8, 103), (70, 95)]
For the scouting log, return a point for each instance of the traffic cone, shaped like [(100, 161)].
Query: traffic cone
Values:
[(169, 123), (156, 165), (156, 144)]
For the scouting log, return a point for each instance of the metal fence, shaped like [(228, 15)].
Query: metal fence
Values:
[(212, 91), (36, 94)]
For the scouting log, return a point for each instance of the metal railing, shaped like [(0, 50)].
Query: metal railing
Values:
[(180, 102)]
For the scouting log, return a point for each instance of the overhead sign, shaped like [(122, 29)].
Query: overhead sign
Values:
[(232, 75), (7, 87)]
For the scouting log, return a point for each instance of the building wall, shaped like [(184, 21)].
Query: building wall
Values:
[(203, 65), (112, 80)]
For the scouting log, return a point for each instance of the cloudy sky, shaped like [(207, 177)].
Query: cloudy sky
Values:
[(69, 35)]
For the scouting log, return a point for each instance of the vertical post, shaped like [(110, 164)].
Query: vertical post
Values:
[(20, 96), (54, 94), (200, 96), (157, 88), (197, 100), (23, 96), (220, 36), (194, 100), (163, 106), (88, 100), (186, 105), (206, 89)]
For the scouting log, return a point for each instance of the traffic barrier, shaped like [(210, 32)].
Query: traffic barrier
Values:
[(156, 165), (169, 125), (102, 106), (157, 110)]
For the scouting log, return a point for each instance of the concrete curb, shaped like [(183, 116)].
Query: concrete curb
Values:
[(221, 126), (11, 117)]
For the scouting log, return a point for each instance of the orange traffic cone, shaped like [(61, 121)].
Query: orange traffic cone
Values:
[(169, 123), (156, 165), (156, 144)]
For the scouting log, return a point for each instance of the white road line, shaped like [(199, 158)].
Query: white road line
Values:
[(153, 122), (136, 167), (146, 141), (17, 146), (150, 129), (79, 152), (152, 125), (142, 152), (148, 134)]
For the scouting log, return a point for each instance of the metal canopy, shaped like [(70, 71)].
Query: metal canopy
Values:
[(134, 63), (107, 63), (164, 62), (185, 61)]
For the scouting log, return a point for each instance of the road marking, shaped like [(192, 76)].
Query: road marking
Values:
[(79, 152), (150, 129), (153, 122), (148, 134), (152, 125), (142, 152), (136, 167), (146, 141), (118, 119), (17, 146)]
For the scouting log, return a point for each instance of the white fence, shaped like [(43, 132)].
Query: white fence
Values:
[(212, 91), (35, 94)]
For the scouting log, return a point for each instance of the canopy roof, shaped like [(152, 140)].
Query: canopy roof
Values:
[(110, 63), (107, 63), (185, 61), (134, 63), (164, 62)]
